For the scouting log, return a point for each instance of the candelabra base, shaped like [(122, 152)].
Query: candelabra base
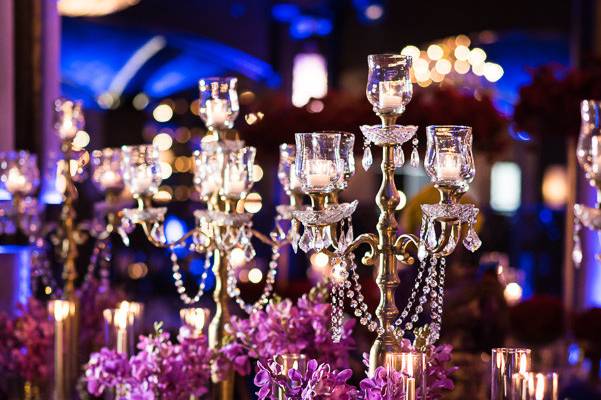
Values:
[(382, 346)]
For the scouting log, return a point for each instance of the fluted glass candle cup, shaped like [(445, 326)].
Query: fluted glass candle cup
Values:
[(589, 140), (535, 386), (389, 87), (19, 174), (68, 118), (449, 161), (237, 172), (141, 169), (218, 102), (286, 168), (106, 170), (318, 164), (119, 330), (505, 362), (207, 173)]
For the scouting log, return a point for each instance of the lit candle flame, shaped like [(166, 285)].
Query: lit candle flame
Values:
[(539, 392)]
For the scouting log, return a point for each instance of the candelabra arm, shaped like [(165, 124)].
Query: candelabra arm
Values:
[(147, 227), (401, 247), (366, 238), (263, 238)]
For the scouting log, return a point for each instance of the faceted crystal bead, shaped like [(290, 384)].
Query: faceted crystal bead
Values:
[(363, 321), (305, 241), (249, 252), (422, 253), (431, 236), (577, 253), (373, 325), (367, 160), (349, 233)]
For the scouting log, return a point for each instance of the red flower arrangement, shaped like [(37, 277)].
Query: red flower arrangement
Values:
[(432, 105), (550, 104), (538, 320)]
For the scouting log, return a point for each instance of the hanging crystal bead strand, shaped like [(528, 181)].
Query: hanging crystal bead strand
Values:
[(179, 283), (358, 300), (340, 278), (417, 289), (437, 297)]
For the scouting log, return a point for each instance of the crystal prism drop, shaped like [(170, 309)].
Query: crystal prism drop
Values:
[(422, 253), (431, 236), (414, 162), (249, 252), (349, 233), (318, 244), (305, 241), (294, 241), (342, 243), (399, 157), (367, 160), (577, 253), (327, 237), (451, 244), (471, 241)]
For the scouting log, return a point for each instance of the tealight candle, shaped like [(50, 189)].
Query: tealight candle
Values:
[(388, 99), (319, 173), (217, 110), (448, 166), (16, 181)]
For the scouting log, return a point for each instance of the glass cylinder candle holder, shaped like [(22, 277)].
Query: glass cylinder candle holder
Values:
[(288, 362), (449, 161), (218, 101), (141, 169), (19, 173), (389, 87), (106, 170), (318, 165), (412, 366), (119, 330), (535, 386), (136, 310), (589, 140), (347, 158), (505, 362), (237, 172), (68, 118), (286, 168), (194, 321), (66, 365)]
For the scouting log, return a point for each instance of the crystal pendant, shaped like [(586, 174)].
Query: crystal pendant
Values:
[(451, 243), (577, 253), (342, 243), (327, 237), (249, 252), (414, 162), (471, 241), (318, 243), (349, 233), (422, 253), (305, 241), (399, 157), (431, 241), (367, 160)]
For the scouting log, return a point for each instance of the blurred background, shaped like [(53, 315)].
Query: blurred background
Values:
[(302, 67)]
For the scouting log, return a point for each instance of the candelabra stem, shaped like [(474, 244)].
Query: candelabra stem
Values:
[(387, 278), (225, 388), (68, 218)]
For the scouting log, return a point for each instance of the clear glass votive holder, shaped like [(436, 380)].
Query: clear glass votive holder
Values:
[(505, 362)]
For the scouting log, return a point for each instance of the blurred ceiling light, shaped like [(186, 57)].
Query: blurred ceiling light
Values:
[(513, 293), (140, 101), (477, 56), (374, 12), (253, 203), (505, 187), (163, 141), (411, 51), (162, 113), (309, 78), (555, 186), (81, 139), (92, 8), (255, 275), (435, 52), (492, 71), (443, 66), (461, 67)]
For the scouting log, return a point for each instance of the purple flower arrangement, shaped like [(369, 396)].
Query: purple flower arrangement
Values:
[(26, 344), (285, 328), (160, 370)]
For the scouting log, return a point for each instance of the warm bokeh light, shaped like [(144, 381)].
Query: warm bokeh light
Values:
[(237, 258), (162, 196), (255, 275), (513, 293), (411, 51), (462, 52), (137, 270), (477, 56), (253, 203), (140, 101), (257, 173), (435, 52), (81, 139), (319, 260), (492, 71), (162, 112), (163, 141), (555, 186), (461, 67), (166, 170), (443, 66)]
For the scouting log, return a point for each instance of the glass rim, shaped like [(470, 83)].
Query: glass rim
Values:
[(512, 349), (390, 55), (433, 129), (126, 147), (319, 133), (217, 79)]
